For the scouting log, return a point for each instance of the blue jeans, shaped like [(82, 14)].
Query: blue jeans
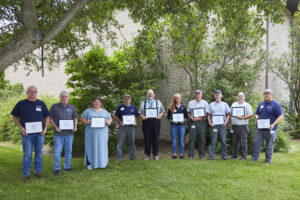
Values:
[(29, 142), (259, 136), (61, 142), (177, 130)]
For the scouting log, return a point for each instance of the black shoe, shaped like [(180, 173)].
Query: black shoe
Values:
[(211, 158), (174, 157), (56, 172), (181, 157), (225, 158), (68, 170)]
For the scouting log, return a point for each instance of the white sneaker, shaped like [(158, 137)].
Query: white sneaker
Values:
[(89, 167)]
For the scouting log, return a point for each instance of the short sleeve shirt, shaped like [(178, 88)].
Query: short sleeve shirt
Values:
[(269, 110), (221, 108), (195, 104), (30, 111), (151, 104), (59, 112), (122, 109), (248, 111)]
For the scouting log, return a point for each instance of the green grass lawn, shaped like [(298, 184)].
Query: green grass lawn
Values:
[(163, 179)]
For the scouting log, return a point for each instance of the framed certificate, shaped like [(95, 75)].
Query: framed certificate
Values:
[(218, 119), (178, 117), (66, 124), (34, 127), (151, 113), (263, 123), (97, 122), (238, 111), (128, 120), (198, 112)]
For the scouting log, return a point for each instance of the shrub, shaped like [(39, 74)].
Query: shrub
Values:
[(8, 130)]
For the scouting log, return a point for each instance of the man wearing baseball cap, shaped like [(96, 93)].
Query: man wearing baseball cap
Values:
[(218, 119), (198, 126), (270, 111), (125, 115)]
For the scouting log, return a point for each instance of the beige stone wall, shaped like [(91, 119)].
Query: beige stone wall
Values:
[(279, 38)]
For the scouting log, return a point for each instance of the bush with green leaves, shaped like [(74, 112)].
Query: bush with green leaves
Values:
[(110, 78), (8, 130)]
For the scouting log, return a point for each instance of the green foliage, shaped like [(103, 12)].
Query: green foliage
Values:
[(287, 68), (8, 130), (97, 75), (98, 17)]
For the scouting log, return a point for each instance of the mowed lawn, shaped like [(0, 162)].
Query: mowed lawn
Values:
[(163, 179)]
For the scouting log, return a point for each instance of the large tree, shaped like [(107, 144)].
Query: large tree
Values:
[(62, 27)]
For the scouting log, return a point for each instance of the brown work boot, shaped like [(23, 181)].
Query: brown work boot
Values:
[(39, 176), (26, 178)]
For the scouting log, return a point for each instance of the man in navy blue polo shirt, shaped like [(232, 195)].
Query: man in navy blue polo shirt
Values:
[(125, 115), (267, 109), (32, 117)]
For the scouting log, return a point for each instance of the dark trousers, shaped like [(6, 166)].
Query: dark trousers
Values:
[(216, 131), (197, 130), (239, 137), (151, 130)]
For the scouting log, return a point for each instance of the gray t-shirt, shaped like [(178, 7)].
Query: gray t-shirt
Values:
[(58, 112), (248, 111), (194, 104), (221, 108)]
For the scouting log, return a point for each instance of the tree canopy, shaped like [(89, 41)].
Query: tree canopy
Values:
[(63, 27)]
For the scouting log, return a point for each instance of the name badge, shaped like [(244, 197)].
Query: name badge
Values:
[(272, 132), (215, 130), (122, 108), (193, 126), (39, 109)]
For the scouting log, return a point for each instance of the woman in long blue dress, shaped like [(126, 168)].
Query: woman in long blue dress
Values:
[(96, 139)]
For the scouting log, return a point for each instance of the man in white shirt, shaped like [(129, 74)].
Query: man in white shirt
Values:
[(241, 112)]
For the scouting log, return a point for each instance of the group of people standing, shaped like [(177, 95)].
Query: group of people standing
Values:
[(32, 117)]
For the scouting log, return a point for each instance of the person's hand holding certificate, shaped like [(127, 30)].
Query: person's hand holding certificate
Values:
[(238, 111), (151, 113), (34, 127), (178, 117), (97, 122), (128, 120), (263, 123), (198, 112), (66, 124), (218, 120)]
